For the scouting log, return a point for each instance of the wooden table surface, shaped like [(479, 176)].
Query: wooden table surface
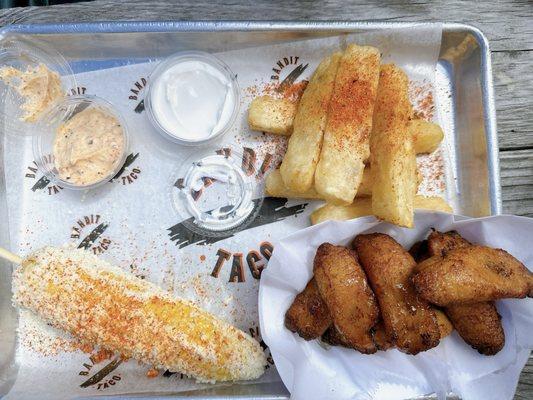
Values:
[(507, 24)]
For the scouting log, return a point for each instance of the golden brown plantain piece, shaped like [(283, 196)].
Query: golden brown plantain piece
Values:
[(381, 339), (409, 321), (445, 325), (333, 337), (342, 284), (479, 324), (437, 243), (470, 275), (440, 243), (308, 316)]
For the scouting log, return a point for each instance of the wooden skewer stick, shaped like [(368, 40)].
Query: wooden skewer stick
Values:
[(7, 255)]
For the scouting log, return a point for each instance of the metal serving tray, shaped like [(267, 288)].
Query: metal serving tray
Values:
[(464, 96)]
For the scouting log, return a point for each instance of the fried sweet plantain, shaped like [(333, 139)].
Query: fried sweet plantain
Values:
[(381, 339), (470, 275), (440, 243), (333, 337), (342, 284), (445, 325), (308, 316), (409, 322), (437, 243), (478, 323)]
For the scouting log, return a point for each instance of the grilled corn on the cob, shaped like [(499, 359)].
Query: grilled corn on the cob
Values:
[(100, 304)]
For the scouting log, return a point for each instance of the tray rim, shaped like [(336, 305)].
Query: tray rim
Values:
[(486, 80)]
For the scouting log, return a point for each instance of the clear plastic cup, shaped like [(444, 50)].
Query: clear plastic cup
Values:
[(49, 125), (26, 54), (183, 57), (214, 192)]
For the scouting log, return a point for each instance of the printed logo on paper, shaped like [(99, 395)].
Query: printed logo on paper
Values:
[(100, 378), (236, 265), (286, 71), (89, 231), (135, 94), (41, 183), (130, 171), (78, 91)]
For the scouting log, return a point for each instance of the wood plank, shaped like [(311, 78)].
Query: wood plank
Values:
[(514, 98), (516, 172), (506, 23), (524, 391)]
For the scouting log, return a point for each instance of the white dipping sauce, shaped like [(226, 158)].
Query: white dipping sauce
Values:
[(192, 100)]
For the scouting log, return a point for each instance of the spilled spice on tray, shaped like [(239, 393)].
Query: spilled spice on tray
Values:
[(152, 373), (421, 96), (431, 166), (101, 355), (291, 92)]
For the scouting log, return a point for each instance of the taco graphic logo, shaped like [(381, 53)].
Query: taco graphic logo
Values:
[(134, 94), (100, 378), (286, 70), (130, 171), (89, 230), (41, 183), (255, 261)]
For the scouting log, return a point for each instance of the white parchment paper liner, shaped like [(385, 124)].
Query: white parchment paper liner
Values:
[(138, 212), (314, 371)]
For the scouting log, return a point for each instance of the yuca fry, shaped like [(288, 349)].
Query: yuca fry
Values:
[(433, 203), (299, 163), (343, 286), (308, 315), (276, 115), (362, 207), (426, 135), (409, 321), (392, 156), (346, 136), (276, 188), (273, 115)]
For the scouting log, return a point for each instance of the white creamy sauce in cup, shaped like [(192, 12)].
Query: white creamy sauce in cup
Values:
[(192, 100)]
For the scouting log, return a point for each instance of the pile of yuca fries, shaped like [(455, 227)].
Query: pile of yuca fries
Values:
[(353, 140)]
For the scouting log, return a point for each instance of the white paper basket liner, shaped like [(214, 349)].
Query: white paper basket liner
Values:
[(312, 370)]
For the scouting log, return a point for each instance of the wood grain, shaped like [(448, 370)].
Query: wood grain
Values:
[(507, 24), (516, 172), (514, 100)]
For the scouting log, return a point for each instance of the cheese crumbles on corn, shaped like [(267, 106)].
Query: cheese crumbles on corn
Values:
[(99, 303)]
